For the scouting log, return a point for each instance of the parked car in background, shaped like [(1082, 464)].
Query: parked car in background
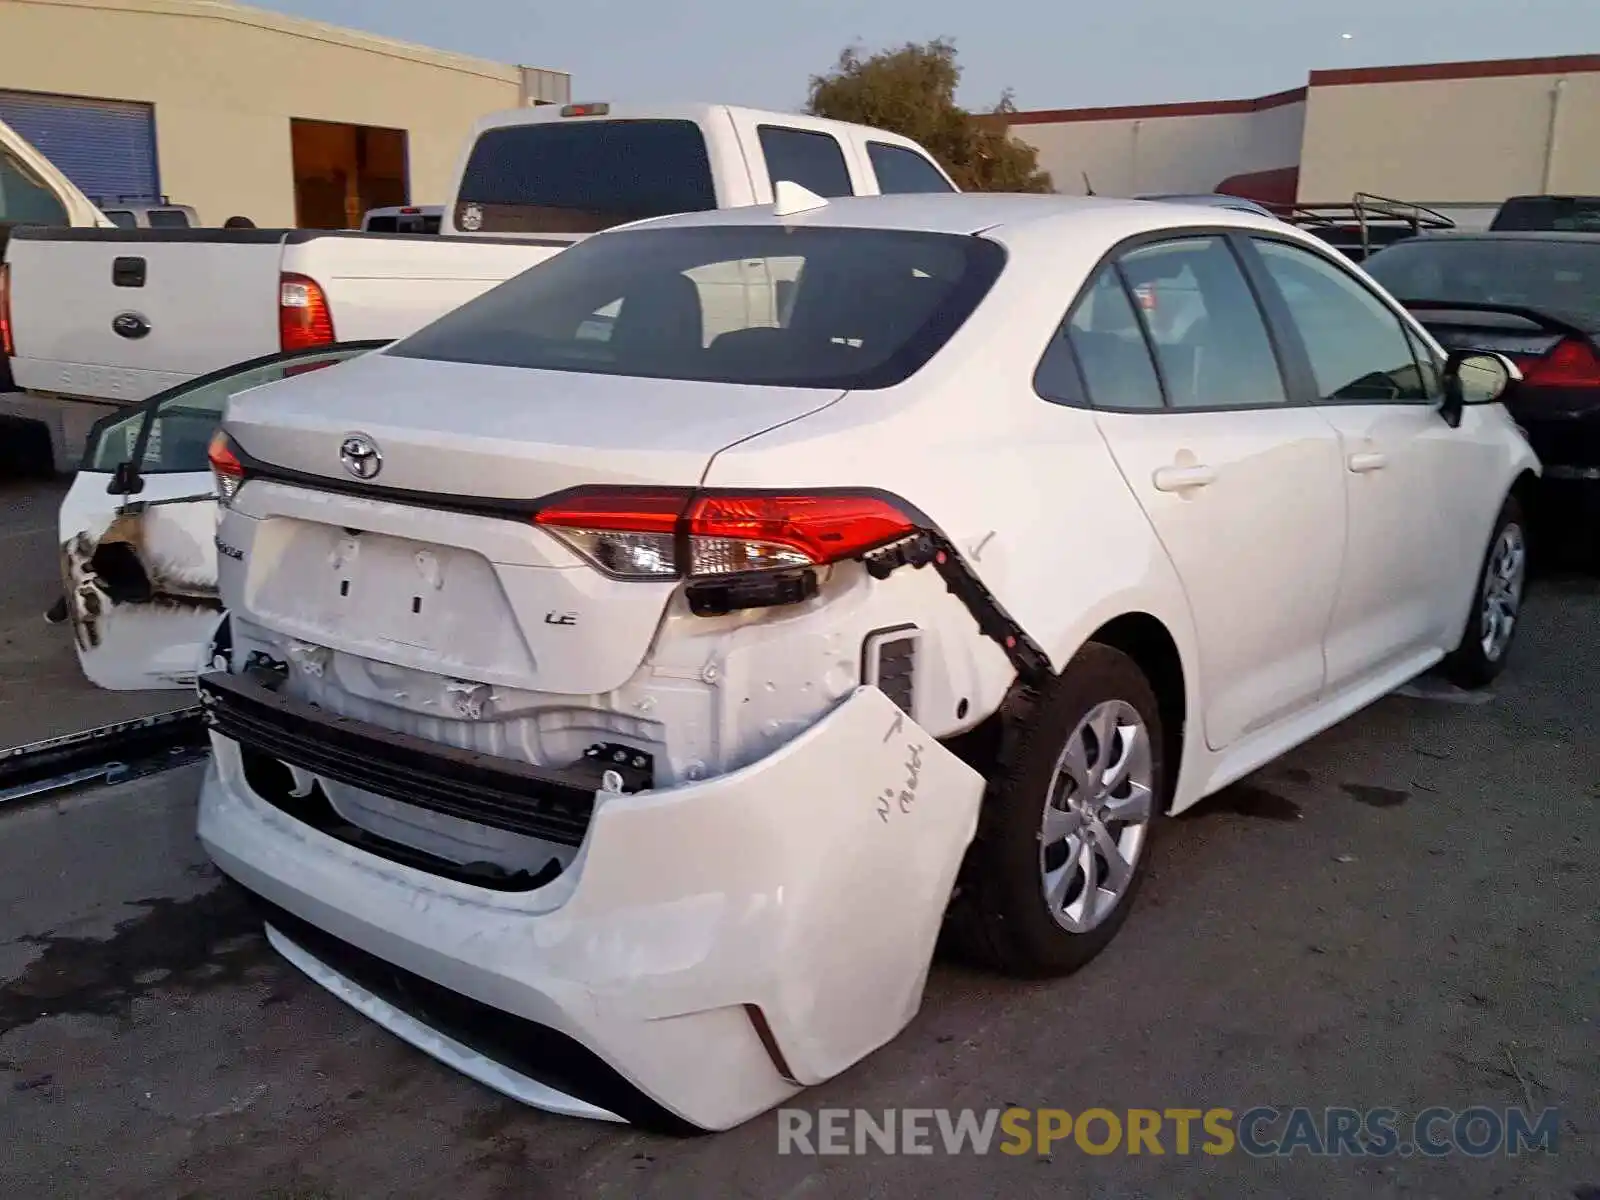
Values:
[(149, 214), (613, 716), (1534, 297), (137, 528), (1527, 214), (109, 317), (406, 218)]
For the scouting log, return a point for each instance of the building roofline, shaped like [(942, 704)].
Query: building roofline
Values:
[(1500, 68), (1418, 72), (240, 14), (1121, 112)]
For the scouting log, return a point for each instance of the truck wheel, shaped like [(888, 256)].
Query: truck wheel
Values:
[(1496, 606), (1064, 839)]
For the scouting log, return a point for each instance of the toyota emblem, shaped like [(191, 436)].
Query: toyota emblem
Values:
[(360, 456)]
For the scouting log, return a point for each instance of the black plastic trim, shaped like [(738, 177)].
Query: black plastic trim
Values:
[(554, 804), (536, 1051)]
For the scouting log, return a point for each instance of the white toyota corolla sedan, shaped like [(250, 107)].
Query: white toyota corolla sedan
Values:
[(630, 675)]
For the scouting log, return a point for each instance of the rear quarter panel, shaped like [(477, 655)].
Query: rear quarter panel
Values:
[(1024, 488)]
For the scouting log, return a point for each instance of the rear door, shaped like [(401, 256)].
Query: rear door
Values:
[(138, 527), (1241, 480), (121, 314), (815, 158)]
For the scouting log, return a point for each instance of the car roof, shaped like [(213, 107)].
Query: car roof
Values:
[(975, 212)]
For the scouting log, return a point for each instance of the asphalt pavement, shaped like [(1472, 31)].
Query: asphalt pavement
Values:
[(1401, 914)]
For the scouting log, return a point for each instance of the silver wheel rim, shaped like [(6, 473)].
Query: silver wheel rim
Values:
[(1502, 592), (1096, 815)]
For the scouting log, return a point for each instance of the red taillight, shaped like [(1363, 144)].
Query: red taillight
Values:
[(227, 472), (1573, 363), (660, 533), (7, 347), (304, 319)]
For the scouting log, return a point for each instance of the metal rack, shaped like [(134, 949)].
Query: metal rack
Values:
[(1366, 224)]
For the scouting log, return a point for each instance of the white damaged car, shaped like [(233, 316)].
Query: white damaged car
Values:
[(629, 675)]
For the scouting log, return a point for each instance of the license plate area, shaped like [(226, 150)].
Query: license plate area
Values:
[(415, 603)]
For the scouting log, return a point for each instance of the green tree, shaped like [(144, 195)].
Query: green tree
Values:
[(912, 91)]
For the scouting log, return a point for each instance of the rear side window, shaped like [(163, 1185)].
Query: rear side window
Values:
[(1210, 338), (383, 224), (817, 307), (168, 218), (1101, 337), (122, 219), (901, 171), (583, 176), (24, 199), (813, 160)]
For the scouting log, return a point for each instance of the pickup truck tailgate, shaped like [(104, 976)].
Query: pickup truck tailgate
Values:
[(118, 314)]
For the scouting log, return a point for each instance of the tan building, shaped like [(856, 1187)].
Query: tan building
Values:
[(238, 111), (1458, 135)]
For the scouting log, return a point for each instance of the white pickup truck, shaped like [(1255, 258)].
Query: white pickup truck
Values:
[(107, 317)]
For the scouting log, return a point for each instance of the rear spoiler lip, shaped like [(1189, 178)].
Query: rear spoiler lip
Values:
[(1545, 320)]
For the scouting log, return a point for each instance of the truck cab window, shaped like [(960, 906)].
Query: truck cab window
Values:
[(813, 160), (900, 170)]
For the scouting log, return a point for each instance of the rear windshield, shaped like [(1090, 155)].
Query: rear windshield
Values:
[(1554, 213), (583, 176), (1561, 276), (753, 304)]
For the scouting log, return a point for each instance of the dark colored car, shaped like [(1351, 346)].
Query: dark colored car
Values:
[(1534, 297), (1567, 214)]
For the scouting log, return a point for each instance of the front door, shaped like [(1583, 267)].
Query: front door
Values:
[(1243, 488), (137, 529), (1392, 443)]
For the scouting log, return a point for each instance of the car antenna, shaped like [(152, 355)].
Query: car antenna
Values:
[(789, 198), (1088, 188)]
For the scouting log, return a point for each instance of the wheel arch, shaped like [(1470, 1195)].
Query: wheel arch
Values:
[(1150, 644)]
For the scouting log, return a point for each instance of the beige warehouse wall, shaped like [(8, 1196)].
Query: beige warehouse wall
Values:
[(1125, 156), (1473, 140), (225, 89)]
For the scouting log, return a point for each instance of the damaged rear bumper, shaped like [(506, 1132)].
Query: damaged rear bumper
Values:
[(711, 949)]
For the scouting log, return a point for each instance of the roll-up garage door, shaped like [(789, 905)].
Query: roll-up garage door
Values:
[(106, 147)]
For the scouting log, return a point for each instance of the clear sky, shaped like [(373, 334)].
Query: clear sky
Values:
[(1064, 54)]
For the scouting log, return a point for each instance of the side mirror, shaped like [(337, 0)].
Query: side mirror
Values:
[(1475, 377), (125, 480)]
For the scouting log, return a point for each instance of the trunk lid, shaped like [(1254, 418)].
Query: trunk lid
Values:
[(423, 574)]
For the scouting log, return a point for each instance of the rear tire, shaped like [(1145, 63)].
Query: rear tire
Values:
[(1088, 771), (1496, 614)]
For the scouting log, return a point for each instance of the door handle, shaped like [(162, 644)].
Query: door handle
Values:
[(1183, 479), (1369, 460)]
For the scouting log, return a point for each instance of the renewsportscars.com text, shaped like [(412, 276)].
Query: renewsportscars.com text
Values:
[(1260, 1132)]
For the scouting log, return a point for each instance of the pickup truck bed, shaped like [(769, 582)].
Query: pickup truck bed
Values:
[(112, 316)]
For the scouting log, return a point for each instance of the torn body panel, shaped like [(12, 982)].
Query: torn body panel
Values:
[(139, 577), (718, 943)]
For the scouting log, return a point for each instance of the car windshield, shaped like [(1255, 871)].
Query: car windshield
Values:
[(755, 304), (1560, 276), (583, 176)]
